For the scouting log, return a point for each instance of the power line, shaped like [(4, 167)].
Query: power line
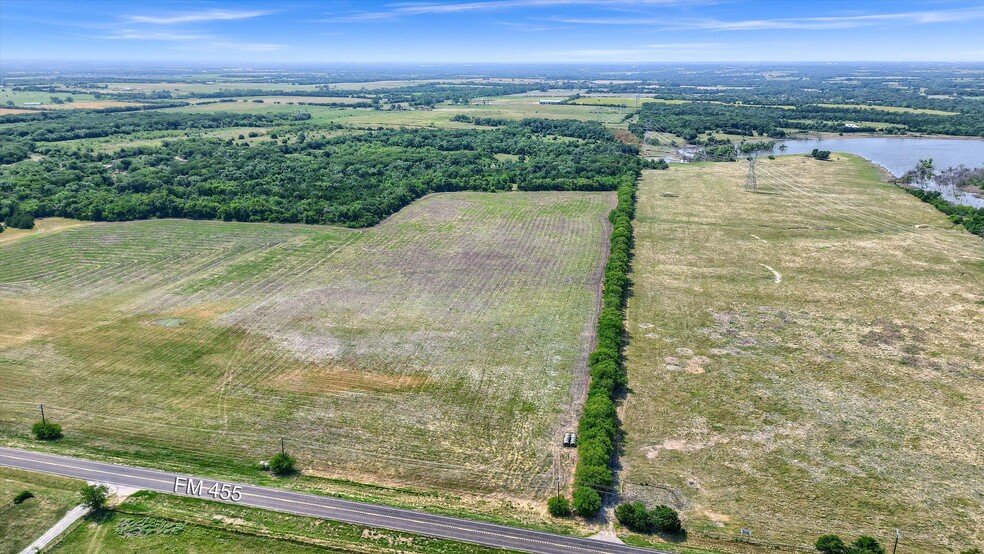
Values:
[(750, 184)]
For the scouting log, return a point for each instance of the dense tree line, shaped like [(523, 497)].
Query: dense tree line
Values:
[(351, 179), (424, 94), (691, 119), (481, 121), (931, 86), (51, 126), (598, 428)]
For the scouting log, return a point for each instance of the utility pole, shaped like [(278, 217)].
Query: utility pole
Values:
[(750, 184), (898, 536), (282, 451), (42, 414)]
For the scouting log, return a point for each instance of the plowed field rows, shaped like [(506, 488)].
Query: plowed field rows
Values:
[(438, 348)]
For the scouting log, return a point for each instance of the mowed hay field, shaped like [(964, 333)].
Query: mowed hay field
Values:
[(806, 359), (438, 349)]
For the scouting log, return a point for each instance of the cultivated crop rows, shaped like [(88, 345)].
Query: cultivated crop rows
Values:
[(439, 347)]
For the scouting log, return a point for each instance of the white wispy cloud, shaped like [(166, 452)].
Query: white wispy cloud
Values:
[(453, 7), (430, 8), (684, 45), (247, 46), (798, 23), (130, 34), (527, 27), (196, 16)]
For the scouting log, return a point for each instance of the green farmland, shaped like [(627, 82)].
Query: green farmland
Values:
[(438, 349)]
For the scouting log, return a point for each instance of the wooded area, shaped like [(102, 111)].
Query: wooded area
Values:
[(354, 179)]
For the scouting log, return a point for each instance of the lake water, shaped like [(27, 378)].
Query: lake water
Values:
[(900, 154)]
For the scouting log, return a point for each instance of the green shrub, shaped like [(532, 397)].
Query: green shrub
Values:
[(587, 501), (866, 545), (661, 519), (665, 519), (282, 464), (46, 431), (20, 220), (832, 544), (22, 496), (559, 506), (94, 496), (634, 516)]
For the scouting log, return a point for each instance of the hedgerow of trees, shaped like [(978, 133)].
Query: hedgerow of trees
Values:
[(598, 428)]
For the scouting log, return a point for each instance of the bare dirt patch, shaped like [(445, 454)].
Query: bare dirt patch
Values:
[(332, 380)]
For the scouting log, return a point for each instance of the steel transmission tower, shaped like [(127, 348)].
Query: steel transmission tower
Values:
[(750, 184)]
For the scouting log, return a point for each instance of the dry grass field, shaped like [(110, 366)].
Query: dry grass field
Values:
[(806, 359), (438, 349)]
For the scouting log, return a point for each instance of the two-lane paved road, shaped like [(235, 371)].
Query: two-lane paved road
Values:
[(372, 515)]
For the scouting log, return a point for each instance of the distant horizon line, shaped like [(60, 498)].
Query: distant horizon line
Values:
[(181, 64)]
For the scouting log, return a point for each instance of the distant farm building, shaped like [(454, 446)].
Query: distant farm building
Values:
[(32, 103), (551, 102)]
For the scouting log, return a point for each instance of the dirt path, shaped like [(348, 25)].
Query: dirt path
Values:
[(565, 459), (41, 225), (777, 277)]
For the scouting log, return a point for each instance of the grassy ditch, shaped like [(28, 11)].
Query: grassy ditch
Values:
[(152, 522)]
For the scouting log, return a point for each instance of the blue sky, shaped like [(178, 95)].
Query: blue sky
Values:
[(455, 31)]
